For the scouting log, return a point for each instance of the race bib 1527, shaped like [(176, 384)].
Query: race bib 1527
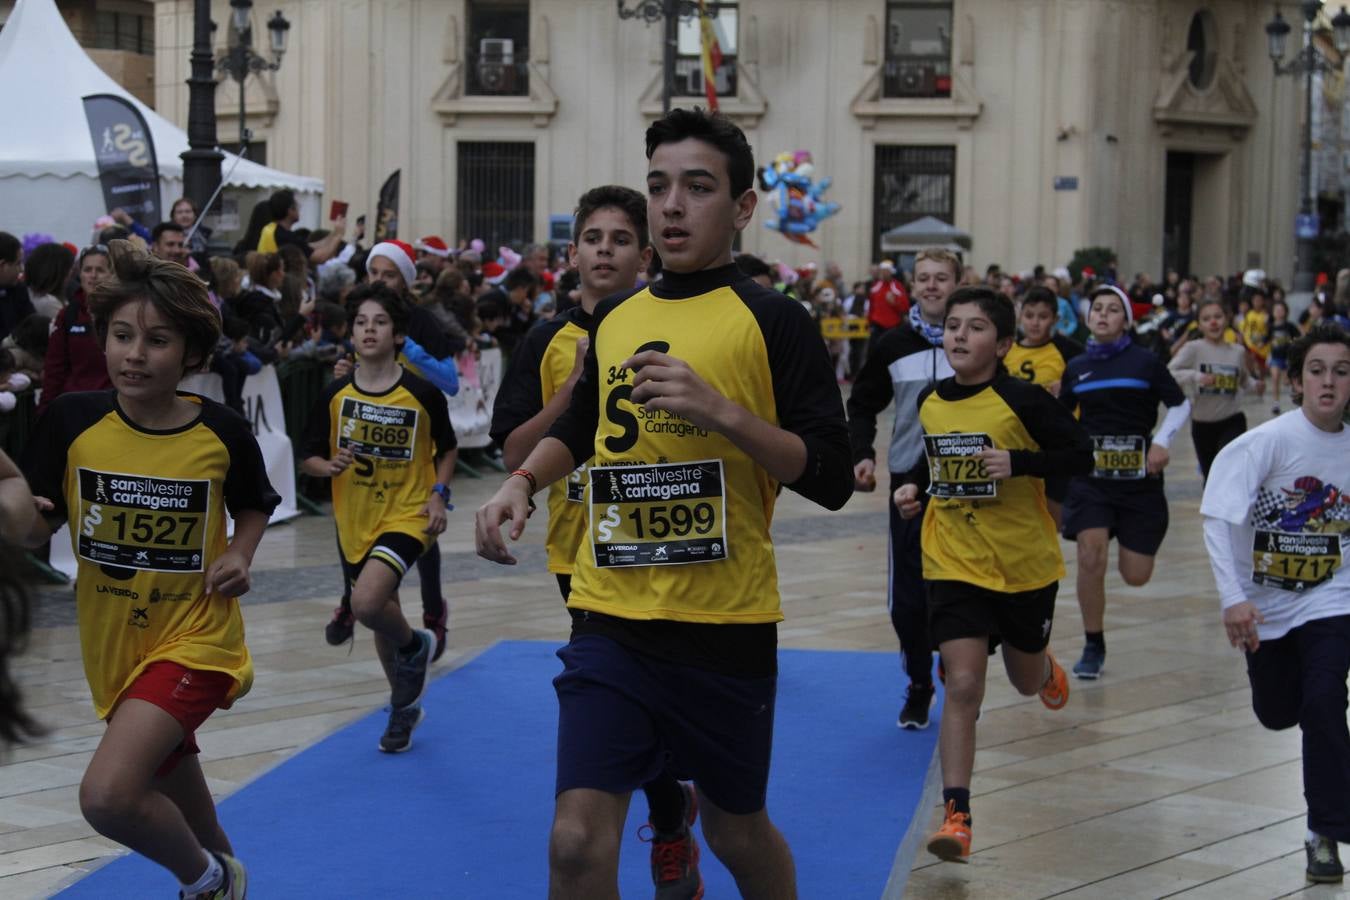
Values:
[(141, 522)]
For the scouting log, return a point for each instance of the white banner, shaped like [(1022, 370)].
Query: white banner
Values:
[(471, 408)]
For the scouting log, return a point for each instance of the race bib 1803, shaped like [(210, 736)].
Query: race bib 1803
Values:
[(658, 515), (140, 522), (1294, 562), (1121, 457), (368, 429), (954, 470)]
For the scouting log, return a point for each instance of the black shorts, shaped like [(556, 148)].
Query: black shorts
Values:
[(960, 610), (1057, 488), (396, 549), (624, 716), (1136, 516)]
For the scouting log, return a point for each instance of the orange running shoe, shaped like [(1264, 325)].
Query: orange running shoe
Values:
[(951, 842), (1055, 691)]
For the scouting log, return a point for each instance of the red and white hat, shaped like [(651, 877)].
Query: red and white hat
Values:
[(494, 273), (433, 245), (1124, 298), (401, 254)]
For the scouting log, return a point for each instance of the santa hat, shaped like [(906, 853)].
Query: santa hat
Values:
[(435, 246), (1116, 292), (401, 254), (493, 272)]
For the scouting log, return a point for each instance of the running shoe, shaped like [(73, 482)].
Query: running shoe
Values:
[(1055, 691), (397, 735), (410, 672), (438, 626), (1324, 861), (918, 701), (675, 855), (1275, 410), (339, 629), (234, 886), (1090, 666), (951, 842)]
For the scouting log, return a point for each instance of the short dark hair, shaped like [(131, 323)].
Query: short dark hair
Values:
[(178, 295), (711, 128), (752, 266), (518, 278), (47, 268), (10, 247), (280, 203), (1041, 294), (234, 328), (997, 307), (163, 227), (331, 315), (380, 293), (1322, 333), (612, 196), (31, 334), (114, 233)]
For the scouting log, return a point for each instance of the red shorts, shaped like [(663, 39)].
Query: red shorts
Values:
[(189, 695)]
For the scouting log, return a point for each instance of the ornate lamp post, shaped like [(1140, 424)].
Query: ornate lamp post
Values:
[(241, 61), (670, 12), (1307, 63), (201, 161)]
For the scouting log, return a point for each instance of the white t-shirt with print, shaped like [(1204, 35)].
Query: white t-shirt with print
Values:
[(1279, 488)]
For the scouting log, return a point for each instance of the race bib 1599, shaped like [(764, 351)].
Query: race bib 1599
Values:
[(140, 522), (658, 515)]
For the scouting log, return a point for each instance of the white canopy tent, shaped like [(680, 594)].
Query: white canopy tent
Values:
[(48, 174)]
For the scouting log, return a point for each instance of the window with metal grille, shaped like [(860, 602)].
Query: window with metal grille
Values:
[(496, 192), (918, 49), (910, 183), (498, 53), (689, 51)]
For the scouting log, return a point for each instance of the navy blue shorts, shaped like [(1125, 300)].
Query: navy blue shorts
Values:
[(1135, 515), (624, 716)]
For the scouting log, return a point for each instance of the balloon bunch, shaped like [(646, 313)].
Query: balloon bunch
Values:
[(795, 198)]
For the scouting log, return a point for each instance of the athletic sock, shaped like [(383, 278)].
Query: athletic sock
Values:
[(1096, 638), (209, 880), (412, 646), (959, 797), (665, 800)]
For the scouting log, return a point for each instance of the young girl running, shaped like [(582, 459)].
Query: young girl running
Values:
[(1215, 369), (145, 476), (990, 554), (1282, 334), (1277, 528)]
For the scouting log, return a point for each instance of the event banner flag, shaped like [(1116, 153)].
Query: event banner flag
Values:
[(125, 151), (386, 211)]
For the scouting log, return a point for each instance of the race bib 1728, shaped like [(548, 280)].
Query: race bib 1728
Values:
[(954, 470), (141, 522), (658, 515)]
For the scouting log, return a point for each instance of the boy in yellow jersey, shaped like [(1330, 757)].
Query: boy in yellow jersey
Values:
[(1039, 356), (383, 435), (609, 248), (990, 553), (701, 394), (145, 475)]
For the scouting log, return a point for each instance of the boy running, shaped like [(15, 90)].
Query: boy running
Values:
[(701, 394), (609, 248), (384, 436), (990, 553), (145, 475), (1277, 528)]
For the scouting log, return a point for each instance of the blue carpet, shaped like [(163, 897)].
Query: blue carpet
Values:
[(466, 812)]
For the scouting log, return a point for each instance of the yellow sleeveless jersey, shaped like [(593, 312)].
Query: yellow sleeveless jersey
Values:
[(1041, 365), (397, 436), (539, 368), (678, 517), (996, 534), (147, 519)]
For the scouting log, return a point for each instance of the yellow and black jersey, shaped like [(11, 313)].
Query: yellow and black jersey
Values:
[(540, 366), (678, 517), (147, 519), (397, 436), (1043, 365), (996, 534)]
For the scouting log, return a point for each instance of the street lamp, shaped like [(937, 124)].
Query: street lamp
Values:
[(1307, 63), (671, 11), (240, 61)]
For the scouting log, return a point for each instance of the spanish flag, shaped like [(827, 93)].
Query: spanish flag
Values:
[(712, 54)]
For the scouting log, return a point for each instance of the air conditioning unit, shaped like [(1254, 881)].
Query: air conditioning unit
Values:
[(915, 81), (497, 50)]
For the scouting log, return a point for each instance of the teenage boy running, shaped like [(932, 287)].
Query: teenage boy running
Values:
[(701, 394), (990, 553), (904, 362), (609, 248), (383, 435)]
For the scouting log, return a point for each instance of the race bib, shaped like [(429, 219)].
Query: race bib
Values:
[(1294, 562), (954, 471), (658, 515), (1120, 457), (140, 522), (576, 485), (1225, 379), (369, 429)]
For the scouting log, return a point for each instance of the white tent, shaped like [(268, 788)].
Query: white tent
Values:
[(48, 174)]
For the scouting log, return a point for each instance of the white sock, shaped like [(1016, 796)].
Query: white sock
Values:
[(1312, 837), (209, 880)]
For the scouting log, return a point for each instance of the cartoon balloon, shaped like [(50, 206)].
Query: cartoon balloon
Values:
[(795, 196)]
